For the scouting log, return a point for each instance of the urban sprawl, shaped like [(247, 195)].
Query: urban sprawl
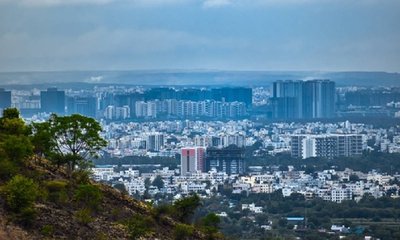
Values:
[(212, 132)]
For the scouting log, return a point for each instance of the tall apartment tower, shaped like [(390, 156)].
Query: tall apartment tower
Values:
[(328, 145), (192, 159), (318, 99), (288, 99), (5, 98), (154, 142), (303, 99), (52, 101)]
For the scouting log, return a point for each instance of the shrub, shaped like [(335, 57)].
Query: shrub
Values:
[(161, 210), (183, 231), (20, 193), (17, 148), (88, 194), (57, 191), (139, 226), (81, 176), (47, 230), (84, 216), (7, 169), (210, 225), (183, 209), (25, 216)]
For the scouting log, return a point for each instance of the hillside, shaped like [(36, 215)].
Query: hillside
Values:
[(46, 191), (61, 219)]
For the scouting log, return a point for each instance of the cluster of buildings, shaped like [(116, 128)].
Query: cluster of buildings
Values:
[(137, 139), (212, 154), (189, 109), (329, 185), (302, 140), (283, 100), (229, 160), (120, 103)]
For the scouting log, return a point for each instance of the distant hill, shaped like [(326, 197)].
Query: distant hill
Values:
[(195, 78)]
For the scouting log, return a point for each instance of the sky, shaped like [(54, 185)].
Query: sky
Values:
[(267, 35)]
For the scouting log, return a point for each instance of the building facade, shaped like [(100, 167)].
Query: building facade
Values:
[(229, 160), (154, 142), (328, 145), (52, 101), (303, 99), (5, 98), (192, 160)]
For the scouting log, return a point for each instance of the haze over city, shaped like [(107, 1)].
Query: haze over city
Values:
[(268, 35)]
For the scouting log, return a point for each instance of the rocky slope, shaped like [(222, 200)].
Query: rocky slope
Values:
[(63, 220)]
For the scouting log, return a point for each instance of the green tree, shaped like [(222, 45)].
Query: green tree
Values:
[(15, 145), (12, 124), (42, 139), (147, 183), (158, 182), (71, 140), (210, 224), (11, 113), (16, 148), (184, 208)]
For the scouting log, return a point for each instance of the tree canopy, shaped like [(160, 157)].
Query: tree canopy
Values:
[(15, 144), (68, 140)]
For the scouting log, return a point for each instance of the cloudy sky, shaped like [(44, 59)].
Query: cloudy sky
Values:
[(324, 35)]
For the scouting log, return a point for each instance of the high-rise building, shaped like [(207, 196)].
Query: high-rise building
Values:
[(192, 159), (287, 99), (82, 105), (229, 160), (52, 101), (118, 113), (303, 99), (318, 99), (329, 145), (122, 112), (109, 112), (5, 98), (154, 142), (237, 139), (146, 109)]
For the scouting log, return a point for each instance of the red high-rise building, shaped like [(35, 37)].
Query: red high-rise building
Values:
[(192, 159)]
